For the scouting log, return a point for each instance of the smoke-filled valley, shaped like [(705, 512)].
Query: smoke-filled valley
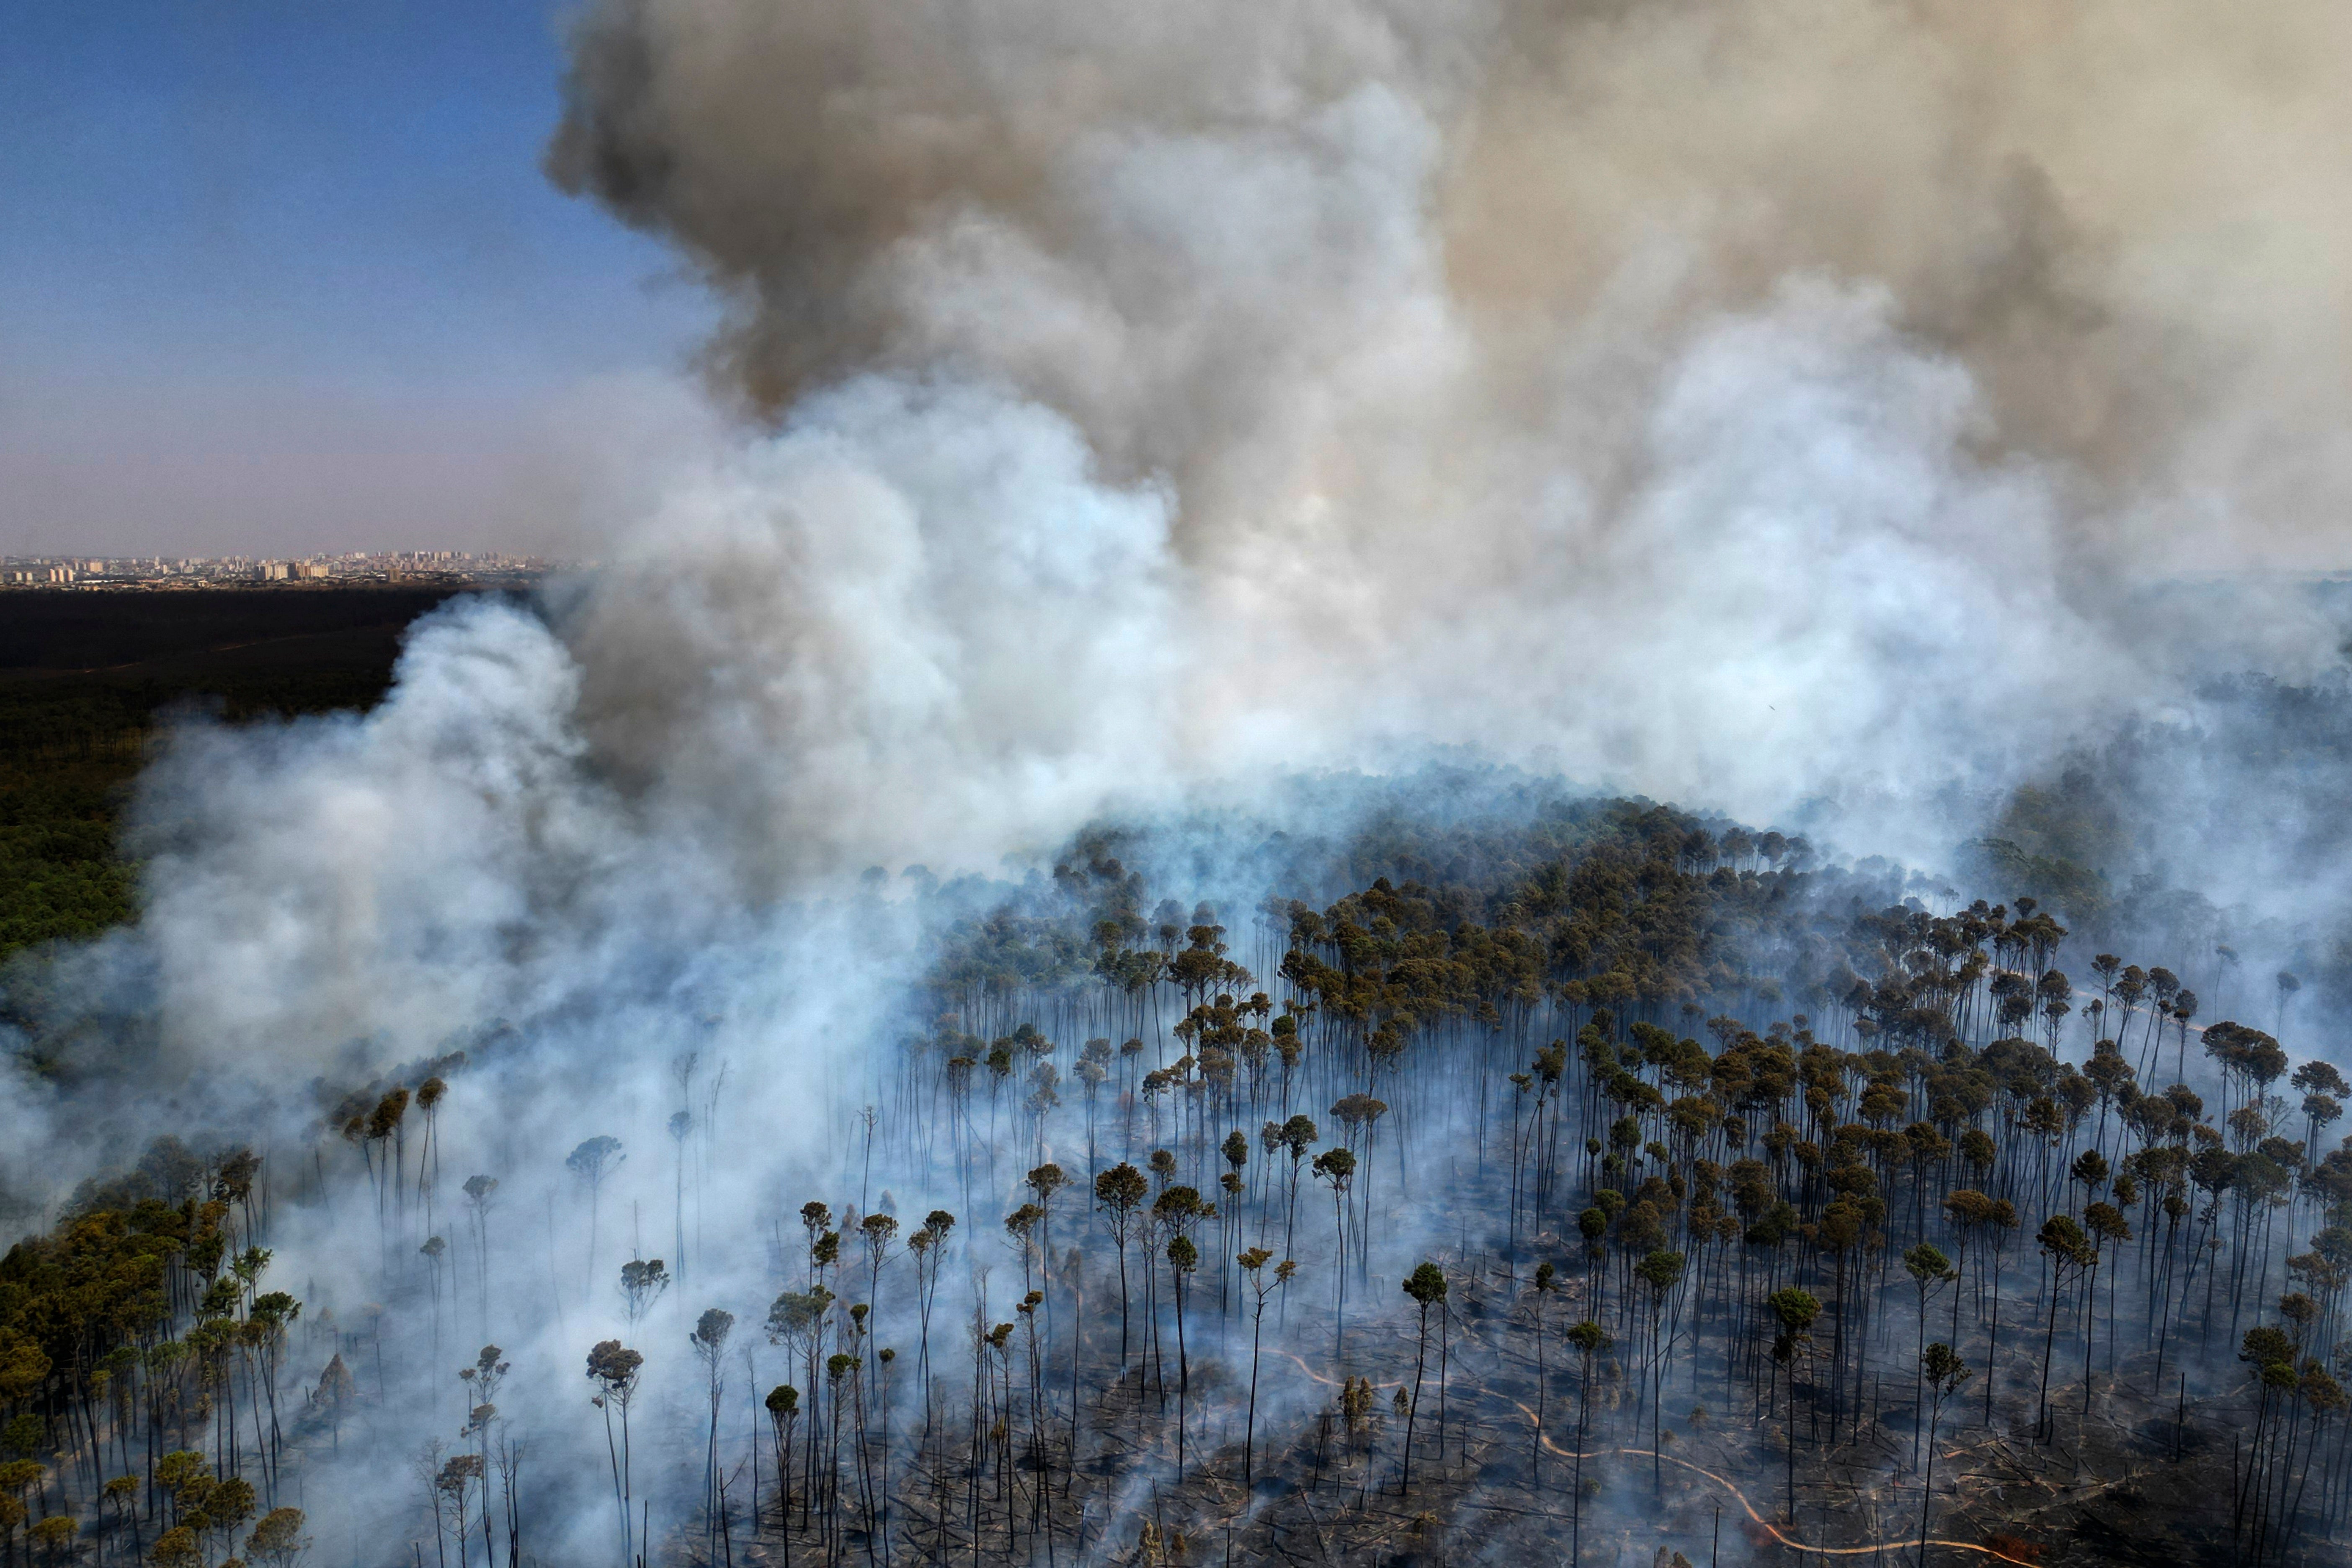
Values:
[(1366, 782)]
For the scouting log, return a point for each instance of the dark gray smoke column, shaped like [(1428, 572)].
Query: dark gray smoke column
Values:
[(1738, 378), (2123, 219)]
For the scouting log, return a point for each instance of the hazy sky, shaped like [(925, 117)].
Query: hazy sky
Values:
[(283, 276)]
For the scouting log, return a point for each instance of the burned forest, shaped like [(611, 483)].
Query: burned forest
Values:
[(1362, 784), (1616, 1185)]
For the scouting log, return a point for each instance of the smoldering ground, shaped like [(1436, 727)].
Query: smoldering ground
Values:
[(727, 1061)]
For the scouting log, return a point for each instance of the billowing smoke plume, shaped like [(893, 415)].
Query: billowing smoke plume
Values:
[(1736, 404), (2122, 219), (1782, 408)]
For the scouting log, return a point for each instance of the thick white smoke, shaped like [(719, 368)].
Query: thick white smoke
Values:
[(1773, 408), (918, 624), (1769, 410), (1766, 408), (913, 625), (371, 880)]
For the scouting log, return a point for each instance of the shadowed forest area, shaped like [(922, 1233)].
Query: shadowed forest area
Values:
[(1607, 1183), (85, 678)]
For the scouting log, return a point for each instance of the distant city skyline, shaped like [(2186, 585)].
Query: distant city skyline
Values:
[(285, 279), (75, 572)]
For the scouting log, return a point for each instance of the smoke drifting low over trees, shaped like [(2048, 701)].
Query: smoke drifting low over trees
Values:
[(1573, 1175), (650, 1090)]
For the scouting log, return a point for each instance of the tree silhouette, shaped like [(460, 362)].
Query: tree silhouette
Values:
[(338, 1389), (795, 1323), (482, 1379), (1120, 1192), (1590, 1340), (178, 1547), (615, 1370), (1930, 1271), (1795, 1311), (2063, 1243), (928, 1244), (1943, 1371), (708, 1341), (54, 1535), (1426, 1286), (1545, 1285), (1183, 1258), (643, 1280), (590, 1162), (1254, 1262), (1661, 1270), (462, 1482), (1297, 1135), (1972, 1212), (480, 1192), (877, 1231), (681, 1128), (783, 1405), (277, 1541), (2107, 1226), (1337, 1167)]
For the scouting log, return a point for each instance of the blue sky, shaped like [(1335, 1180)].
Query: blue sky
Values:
[(278, 277)]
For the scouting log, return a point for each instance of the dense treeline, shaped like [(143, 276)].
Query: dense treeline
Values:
[(2238, 792), (144, 1359), (1567, 1185)]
